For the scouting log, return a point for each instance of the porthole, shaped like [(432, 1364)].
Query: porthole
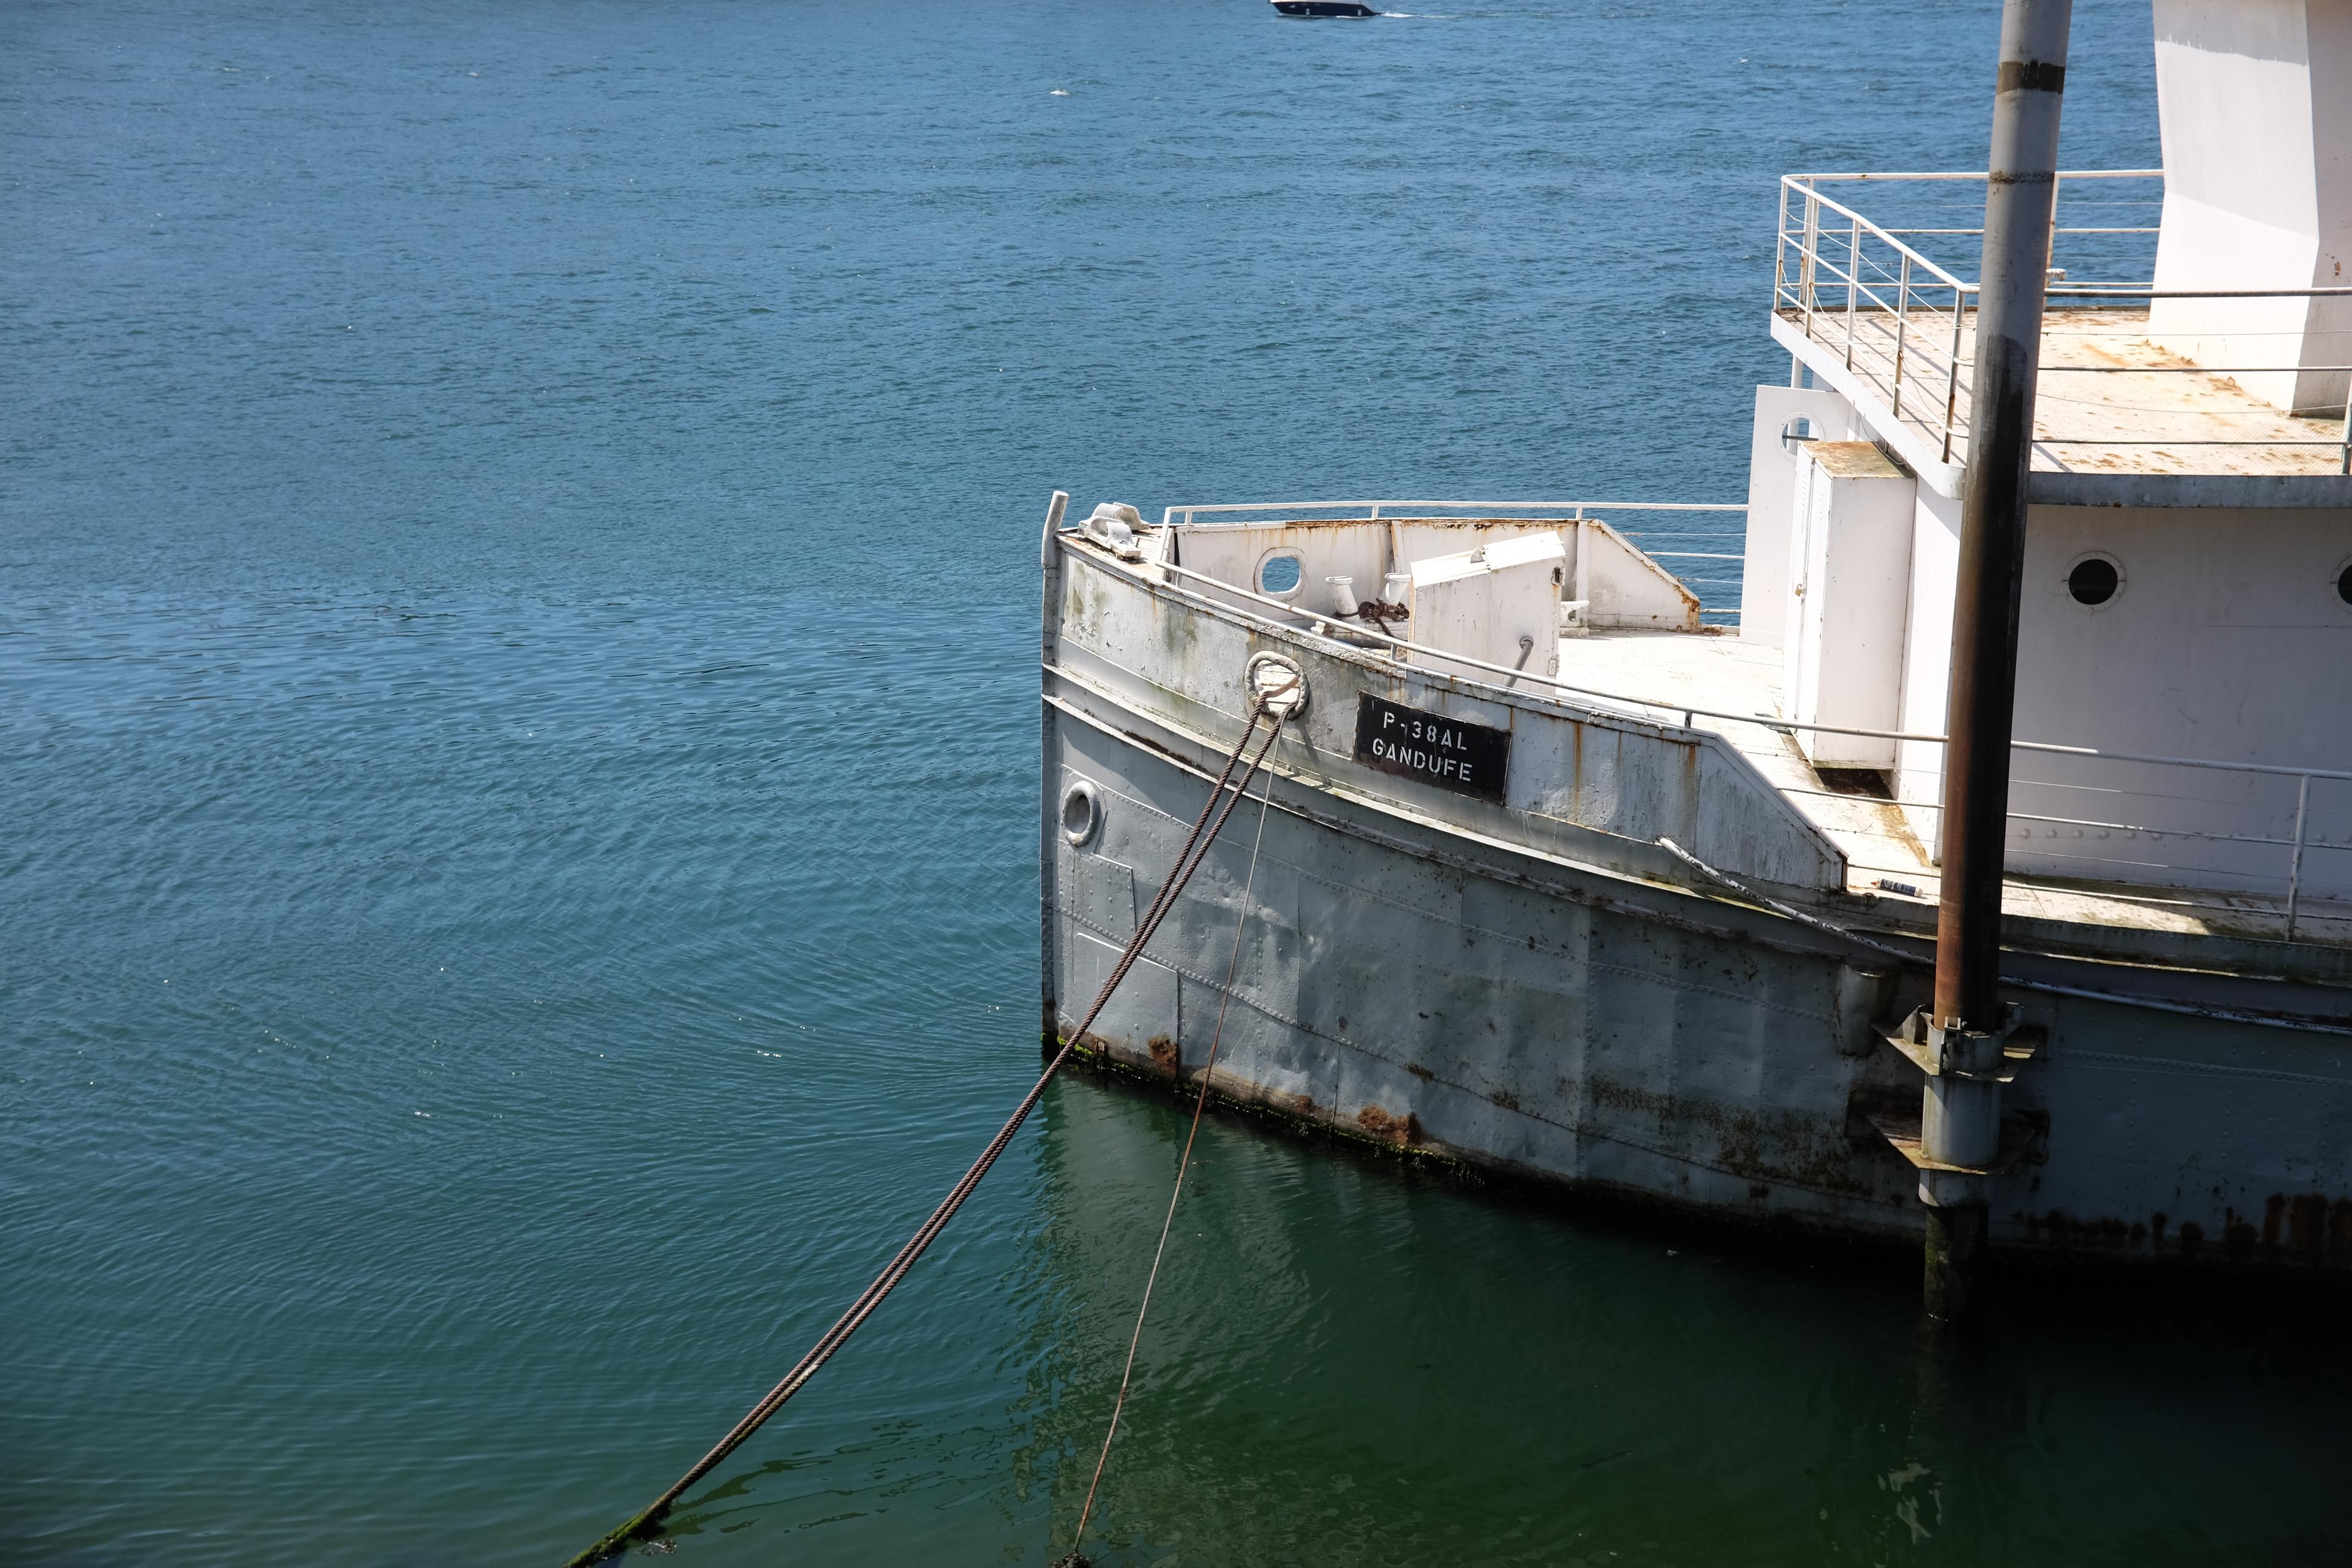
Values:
[(2343, 585), (1279, 573), (2093, 580), (1797, 433), (1081, 813)]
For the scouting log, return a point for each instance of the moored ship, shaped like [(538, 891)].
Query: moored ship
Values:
[(1571, 873)]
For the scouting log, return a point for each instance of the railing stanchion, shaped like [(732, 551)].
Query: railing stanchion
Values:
[(2294, 867), (1952, 382), (1807, 283), (1780, 250), (1853, 283), (2347, 427), (1901, 328)]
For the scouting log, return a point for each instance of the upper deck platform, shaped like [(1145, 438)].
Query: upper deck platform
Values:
[(1884, 313)]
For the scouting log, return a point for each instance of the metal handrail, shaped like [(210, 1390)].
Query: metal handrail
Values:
[(2299, 844), (2150, 291), (1689, 710), (1574, 508), (1920, 281), (1814, 198), (1978, 174)]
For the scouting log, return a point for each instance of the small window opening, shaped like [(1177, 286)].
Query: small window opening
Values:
[(2344, 583), (2093, 580), (1279, 574), (1870, 782), (1797, 432)]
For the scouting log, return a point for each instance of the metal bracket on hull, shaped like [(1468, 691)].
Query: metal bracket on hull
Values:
[(1959, 1137), (1983, 1058), (2022, 1135)]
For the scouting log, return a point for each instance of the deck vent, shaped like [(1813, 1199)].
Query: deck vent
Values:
[(2093, 580)]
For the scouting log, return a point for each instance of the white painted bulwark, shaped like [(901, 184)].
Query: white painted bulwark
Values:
[(1587, 782), (1849, 594), (1498, 603), (1772, 448), (1622, 587), (2255, 104)]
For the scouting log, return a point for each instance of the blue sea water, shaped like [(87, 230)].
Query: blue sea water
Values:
[(518, 539)]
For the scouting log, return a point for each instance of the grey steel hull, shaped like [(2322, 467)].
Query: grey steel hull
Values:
[(1540, 998)]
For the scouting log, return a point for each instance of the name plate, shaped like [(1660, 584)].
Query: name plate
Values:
[(1469, 759)]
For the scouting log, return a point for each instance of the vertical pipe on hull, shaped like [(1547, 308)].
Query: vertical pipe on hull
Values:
[(1049, 561), (2020, 206), (1955, 1237)]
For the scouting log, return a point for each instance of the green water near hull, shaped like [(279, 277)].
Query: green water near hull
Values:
[(1350, 1362)]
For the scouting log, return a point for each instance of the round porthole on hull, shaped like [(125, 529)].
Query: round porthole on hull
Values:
[(2343, 585), (1081, 813), (2093, 580)]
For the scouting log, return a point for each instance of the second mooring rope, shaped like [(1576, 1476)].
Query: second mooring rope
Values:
[(1187, 862), (1183, 1163)]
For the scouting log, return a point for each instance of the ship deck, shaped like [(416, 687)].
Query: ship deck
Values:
[(1726, 674), (2110, 401)]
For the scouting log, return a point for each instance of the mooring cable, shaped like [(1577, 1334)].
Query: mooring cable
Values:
[(1188, 861), (1183, 1164)]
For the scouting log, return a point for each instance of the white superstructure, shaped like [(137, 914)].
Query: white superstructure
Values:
[(2190, 532)]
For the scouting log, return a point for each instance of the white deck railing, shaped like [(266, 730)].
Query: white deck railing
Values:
[(2298, 844), (1836, 271), (1713, 583)]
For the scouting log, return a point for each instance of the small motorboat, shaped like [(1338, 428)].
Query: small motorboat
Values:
[(1323, 8)]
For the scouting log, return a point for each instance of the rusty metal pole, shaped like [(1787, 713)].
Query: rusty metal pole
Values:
[(1961, 1117)]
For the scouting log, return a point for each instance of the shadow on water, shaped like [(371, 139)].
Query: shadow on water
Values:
[(1347, 1367)]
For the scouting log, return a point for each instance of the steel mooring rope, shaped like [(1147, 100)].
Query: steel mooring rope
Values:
[(1188, 860), (1183, 1164)]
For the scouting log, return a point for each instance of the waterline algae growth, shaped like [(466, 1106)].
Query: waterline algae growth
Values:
[(520, 892)]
